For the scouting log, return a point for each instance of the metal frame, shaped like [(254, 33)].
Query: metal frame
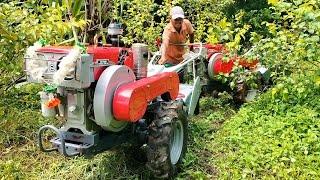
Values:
[(72, 144), (62, 147)]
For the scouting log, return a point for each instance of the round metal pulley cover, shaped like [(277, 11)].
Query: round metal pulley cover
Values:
[(212, 60), (111, 78)]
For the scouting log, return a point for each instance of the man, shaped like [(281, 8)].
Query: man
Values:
[(174, 38)]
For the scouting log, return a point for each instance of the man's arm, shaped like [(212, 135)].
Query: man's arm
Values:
[(164, 46), (190, 31), (191, 36)]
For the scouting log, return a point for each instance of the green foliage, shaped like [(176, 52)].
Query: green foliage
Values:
[(252, 13), (10, 170), (145, 20), (289, 43), (15, 123), (274, 137), (294, 47), (199, 160), (138, 19), (277, 136), (21, 25)]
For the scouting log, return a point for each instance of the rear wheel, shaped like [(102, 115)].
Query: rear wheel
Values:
[(167, 139)]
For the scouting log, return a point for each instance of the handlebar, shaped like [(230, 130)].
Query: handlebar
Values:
[(197, 55)]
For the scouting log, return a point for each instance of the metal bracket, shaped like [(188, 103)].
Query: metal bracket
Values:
[(102, 63), (68, 143), (59, 134)]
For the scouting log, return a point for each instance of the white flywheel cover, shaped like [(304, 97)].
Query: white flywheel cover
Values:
[(212, 60), (109, 81)]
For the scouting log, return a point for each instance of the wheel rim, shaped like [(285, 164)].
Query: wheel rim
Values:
[(176, 142)]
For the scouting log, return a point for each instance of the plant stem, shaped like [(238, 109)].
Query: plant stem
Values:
[(72, 26)]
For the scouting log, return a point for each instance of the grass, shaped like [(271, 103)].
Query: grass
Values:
[(274, 137), (20, 157)]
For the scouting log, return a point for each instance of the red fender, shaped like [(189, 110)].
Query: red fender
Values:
[(130, 101)]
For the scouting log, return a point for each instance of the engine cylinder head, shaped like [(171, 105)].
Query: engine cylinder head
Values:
[(140, 60)]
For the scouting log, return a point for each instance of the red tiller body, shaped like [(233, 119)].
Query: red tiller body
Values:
[(216, 48), (221, 66), (212, 48), (98, 53), (131, 100), (110, 53)]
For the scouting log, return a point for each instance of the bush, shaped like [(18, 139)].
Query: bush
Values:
[(277, 135), (22, 24)]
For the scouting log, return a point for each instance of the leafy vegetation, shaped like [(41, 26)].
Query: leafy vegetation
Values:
[(277, 136), (21, 25), (21, 158), (274, 137)]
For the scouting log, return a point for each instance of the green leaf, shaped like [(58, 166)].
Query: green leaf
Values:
[(77, 5)]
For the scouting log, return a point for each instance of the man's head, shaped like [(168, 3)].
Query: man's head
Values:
[(177, 16)]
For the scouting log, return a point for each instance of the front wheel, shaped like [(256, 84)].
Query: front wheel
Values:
[(167, 139)]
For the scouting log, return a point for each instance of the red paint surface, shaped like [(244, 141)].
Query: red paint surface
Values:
[(216, 48), (129, 60), (98, 53), (220, 66), (55, 49), (212, 48), (102, 53), (131, 100)]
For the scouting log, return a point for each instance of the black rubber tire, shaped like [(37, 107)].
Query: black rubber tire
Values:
[(160, 133), (166, 96)]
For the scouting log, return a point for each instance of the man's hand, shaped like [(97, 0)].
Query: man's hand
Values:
[(191, 47), (161, 61)]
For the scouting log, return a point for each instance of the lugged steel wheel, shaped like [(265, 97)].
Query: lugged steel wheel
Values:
[(167, 139)]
